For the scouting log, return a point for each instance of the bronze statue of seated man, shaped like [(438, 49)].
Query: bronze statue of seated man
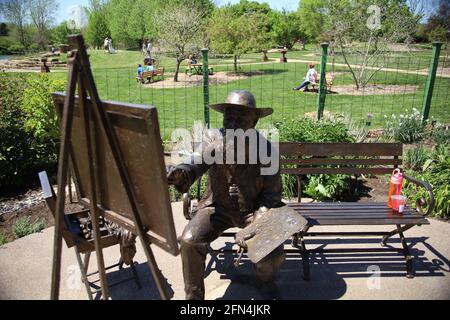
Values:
[(236, 193)]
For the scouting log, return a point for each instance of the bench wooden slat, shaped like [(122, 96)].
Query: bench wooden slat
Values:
[(340, 149), (355, 214), (323, 161), (348, 171), (365, 222)]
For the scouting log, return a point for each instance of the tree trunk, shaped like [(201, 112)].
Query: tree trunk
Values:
[(235, 63), (21, 32), (177, 69)]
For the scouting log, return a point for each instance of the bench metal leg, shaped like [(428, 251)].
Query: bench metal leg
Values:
[(407, 254), (299, 238), (305, 259), (393, 233)]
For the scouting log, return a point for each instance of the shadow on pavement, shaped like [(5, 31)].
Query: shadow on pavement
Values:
[(328, 270)]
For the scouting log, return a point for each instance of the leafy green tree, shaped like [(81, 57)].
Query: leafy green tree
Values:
[(233, 34), (366, 28), (312, 14), (97, 29), (180, 28), (4, 31), (16, 12), (42, 13), (286, 29), (439, 23), (61, 31), (245, 7)]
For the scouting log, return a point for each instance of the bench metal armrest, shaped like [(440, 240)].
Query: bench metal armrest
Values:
[(421, 202)]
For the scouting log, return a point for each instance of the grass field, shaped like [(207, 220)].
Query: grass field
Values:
[(272, 85)]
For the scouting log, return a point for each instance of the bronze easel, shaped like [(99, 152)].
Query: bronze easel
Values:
[(80, 74)]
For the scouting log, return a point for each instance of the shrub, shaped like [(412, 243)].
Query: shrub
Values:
[(4, 45), (308, 130), (16, 48), (37, 104), (415, 158), (407, 128), (15, 143), (319, 187), (28, 129), (326, 187), (441, 134), (23, 226), (437, 173)]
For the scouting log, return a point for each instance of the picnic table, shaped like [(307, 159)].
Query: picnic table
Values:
[(197, 69)]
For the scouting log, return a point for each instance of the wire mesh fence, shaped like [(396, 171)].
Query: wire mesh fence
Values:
[(399, 85)]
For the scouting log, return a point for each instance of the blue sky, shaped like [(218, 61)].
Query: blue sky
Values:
[(64, 5)]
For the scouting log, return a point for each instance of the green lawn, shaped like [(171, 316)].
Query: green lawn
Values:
[(180, 107)]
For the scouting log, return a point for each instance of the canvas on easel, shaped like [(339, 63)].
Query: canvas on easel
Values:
[(116, 156)]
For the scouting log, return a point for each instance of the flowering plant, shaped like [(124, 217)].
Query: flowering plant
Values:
[(406, 128)]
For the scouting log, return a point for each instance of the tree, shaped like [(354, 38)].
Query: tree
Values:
[(312, 16), (286, 29), (16, 12), (359, 28), (60, 32), (42, 14), (4, 31), (439, 23), (233, 34), (180, 28), (97, 29)]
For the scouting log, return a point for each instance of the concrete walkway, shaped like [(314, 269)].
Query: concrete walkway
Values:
[(25, 270)]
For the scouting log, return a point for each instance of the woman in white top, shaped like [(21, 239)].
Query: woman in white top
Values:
[(311, 76)]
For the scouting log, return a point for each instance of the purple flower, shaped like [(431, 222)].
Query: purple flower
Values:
[(369, 115)]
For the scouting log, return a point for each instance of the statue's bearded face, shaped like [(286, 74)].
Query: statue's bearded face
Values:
[(239, 119)]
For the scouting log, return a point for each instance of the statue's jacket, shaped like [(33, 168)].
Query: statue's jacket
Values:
[(237, 187)]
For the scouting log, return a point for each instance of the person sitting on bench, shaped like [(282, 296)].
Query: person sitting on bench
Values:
[(149, 65), (311, 77), (191, 60)]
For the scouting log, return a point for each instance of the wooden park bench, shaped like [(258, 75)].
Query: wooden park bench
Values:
[(349, 159), (151, 76)]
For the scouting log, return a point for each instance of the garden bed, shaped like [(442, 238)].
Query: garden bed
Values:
[(185, 80)]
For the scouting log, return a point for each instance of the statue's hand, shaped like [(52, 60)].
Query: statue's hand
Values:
[(179, 179), (240, 239)]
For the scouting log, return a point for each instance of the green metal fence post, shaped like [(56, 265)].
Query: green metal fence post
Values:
[(431, 80), (322, 84), (206, 86)]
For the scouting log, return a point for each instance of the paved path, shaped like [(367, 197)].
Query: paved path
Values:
[(25, 270)]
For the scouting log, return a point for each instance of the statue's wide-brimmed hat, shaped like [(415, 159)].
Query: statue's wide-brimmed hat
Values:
[(242, 100)]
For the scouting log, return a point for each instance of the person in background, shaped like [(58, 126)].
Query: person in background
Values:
[(190, 61), (311, 76), (106, 45), (140, 71), (149, 66), (149, 48)]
